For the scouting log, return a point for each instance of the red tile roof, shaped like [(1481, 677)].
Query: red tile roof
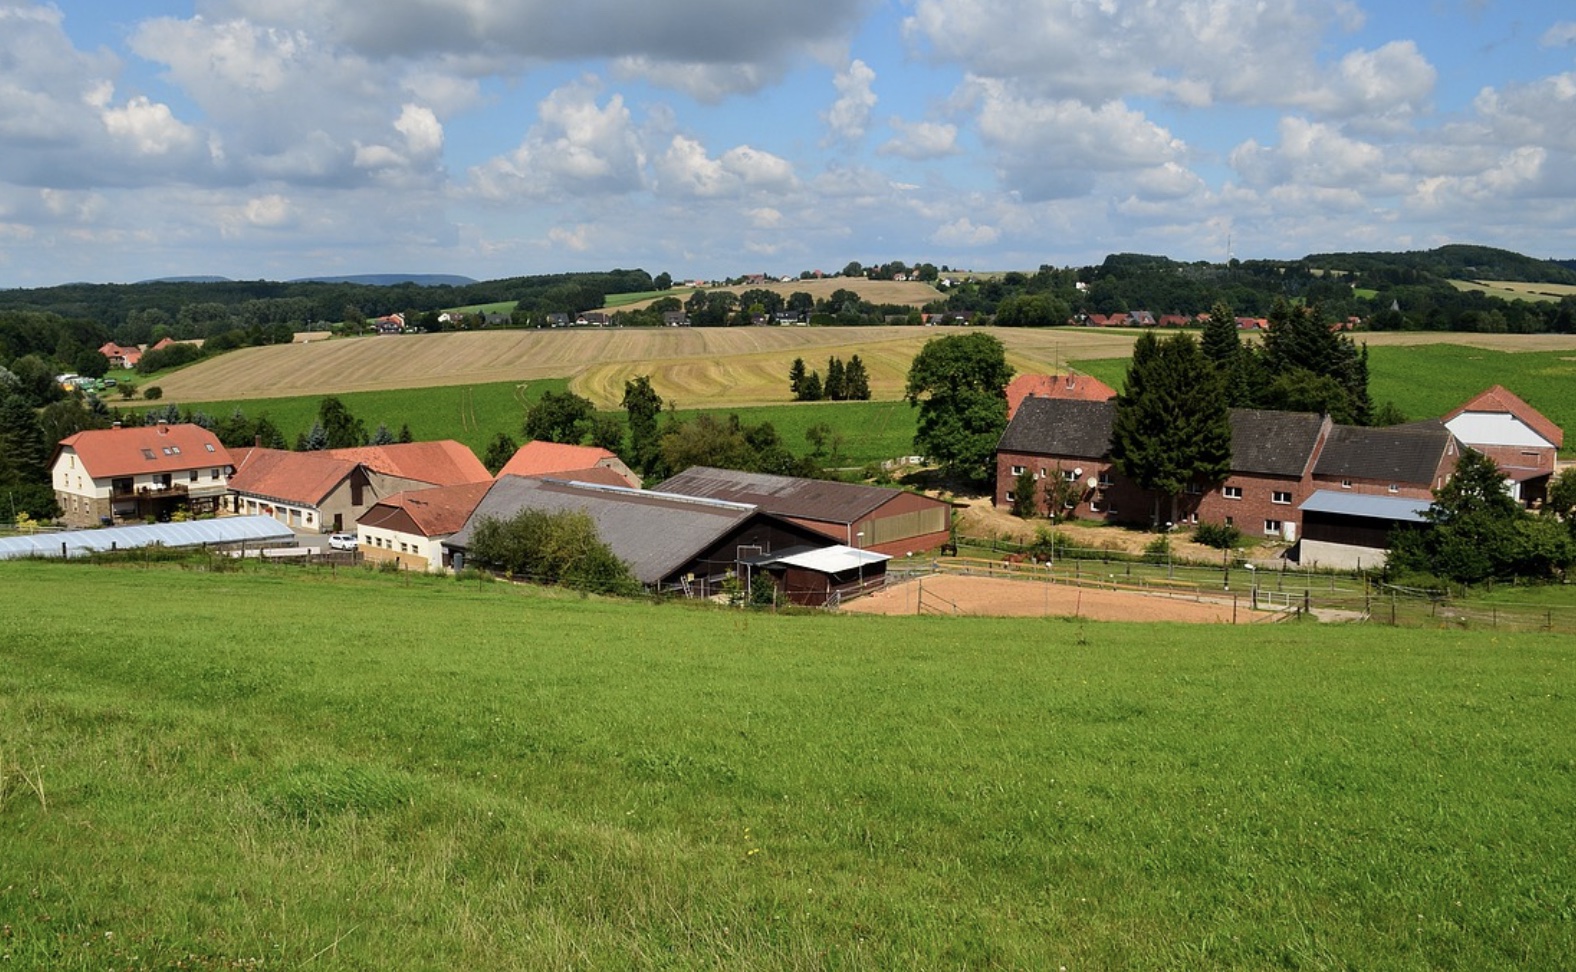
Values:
[(436, 512), (441, 463), (146, 449), (599, 475), (537, 458), (1501, 399), (1079, 388), (308, 477), (304, 478)]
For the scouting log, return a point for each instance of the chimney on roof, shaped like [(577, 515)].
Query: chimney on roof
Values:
[(164, 427), (257, 441), (114, 425)]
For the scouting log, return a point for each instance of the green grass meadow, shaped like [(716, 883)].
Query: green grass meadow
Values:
[(870, 431), (471, 414), (1428, 380), (292, 768)]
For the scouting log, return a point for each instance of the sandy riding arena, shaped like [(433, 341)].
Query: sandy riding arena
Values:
[(999, 597)]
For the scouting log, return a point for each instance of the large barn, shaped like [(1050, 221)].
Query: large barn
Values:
[(672, 543), (889, 521)]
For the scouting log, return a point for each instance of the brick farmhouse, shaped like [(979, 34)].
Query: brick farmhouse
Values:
[(1279, 462)]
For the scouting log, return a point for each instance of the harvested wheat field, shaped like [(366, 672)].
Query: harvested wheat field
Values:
[(909, 293), (1488, 342), (1004, 598), (692, 366)]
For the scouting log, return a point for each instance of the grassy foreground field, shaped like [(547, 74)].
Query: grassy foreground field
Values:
[(358, 771)]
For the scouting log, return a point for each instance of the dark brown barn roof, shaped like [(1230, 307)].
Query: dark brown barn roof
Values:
[(1060, 427), (1400, 454), (807, 499), (1269, 443)]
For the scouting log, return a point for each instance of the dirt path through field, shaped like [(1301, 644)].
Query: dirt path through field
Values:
[(1002, 598)]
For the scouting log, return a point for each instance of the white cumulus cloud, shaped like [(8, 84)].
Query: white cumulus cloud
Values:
[(849, 116), (921, 140)]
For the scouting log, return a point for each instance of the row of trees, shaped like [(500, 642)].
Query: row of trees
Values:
[(843, 383), (1387, 291)]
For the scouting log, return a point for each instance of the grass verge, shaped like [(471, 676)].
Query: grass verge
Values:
[(354, 770)]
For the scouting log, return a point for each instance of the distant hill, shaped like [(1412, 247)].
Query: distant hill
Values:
[(393, 279), (175, 280), (1455, 261)]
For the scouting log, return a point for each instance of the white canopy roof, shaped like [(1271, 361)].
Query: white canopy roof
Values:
[(835, 559)]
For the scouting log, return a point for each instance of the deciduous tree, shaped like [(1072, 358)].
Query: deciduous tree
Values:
[(642, 406), (559, 417), (958, 383), (1478, 531)]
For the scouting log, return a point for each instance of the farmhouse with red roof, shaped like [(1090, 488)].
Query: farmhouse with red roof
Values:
[(409, 528), (326, 490), (1070, 386), (124, 475), (1521, 440), (587, 464)]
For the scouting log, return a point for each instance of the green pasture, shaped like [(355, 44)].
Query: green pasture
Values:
[(496, 307), (349, 770), (635, 297), (869, 431), (1428, 380), (471, 414)]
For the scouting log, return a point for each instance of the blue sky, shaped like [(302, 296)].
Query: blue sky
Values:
[(708, 138)]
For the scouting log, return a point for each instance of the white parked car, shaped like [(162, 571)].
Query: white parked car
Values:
[(342, 541)]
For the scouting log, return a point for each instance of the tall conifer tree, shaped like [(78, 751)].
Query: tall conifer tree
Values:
[(1172, 423)]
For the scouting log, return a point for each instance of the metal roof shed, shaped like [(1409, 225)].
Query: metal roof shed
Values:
[(670, 542), (223, 531)]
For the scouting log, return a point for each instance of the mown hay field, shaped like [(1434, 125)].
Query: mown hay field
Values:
[(695, 367), (1517, 290), (908, 293), (298, 768)]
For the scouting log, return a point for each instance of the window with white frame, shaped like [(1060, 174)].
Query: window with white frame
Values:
[(1272, 528), (1195, 489), (1017, 470), (1231, 492), (1394, 488), (1012, 497), (1069, 475), (1280, 496)]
